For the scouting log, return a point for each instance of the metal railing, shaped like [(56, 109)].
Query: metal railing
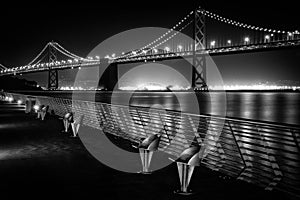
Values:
[(266, 154)]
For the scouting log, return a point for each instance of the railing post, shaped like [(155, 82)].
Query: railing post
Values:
[(277, 172), (295, 139), (239, 149), (76, 125), (146, 150), (186, 163)]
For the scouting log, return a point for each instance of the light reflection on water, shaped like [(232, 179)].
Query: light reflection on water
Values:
[(282, 107), (268, 106)]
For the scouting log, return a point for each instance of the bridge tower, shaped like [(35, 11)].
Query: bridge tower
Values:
[(199, 43), (53, 73)]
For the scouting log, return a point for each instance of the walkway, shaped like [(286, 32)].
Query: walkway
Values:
[(38, 161)]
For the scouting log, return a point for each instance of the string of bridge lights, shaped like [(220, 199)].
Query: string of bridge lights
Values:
[(164, 41), (35, 63), (242, 25), (161, 37)]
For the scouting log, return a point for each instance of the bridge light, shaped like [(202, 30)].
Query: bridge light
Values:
[(144, 51), (113, 55), (97, 57), (155, 50), (90, 58), (10, 99), (79, 67), (19, 102), (134, 52)]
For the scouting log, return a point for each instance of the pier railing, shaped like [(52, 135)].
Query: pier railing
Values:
[(266, 154)]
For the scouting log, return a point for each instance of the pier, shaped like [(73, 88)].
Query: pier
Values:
[(37, 156)]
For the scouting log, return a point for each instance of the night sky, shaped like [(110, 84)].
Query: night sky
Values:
[(79, 27)]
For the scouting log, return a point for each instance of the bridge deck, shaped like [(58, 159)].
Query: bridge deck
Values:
[(36, 160)]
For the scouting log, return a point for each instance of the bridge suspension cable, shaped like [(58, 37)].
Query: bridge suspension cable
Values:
[(180, 23), (68, 53), (59, 48), (240, 24), (41, 52), (3, 67)]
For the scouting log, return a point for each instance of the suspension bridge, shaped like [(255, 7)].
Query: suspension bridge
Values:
[(236, 37)]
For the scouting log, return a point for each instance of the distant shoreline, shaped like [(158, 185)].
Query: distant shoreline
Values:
[(162, 91)]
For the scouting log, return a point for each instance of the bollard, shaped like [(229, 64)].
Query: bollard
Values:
[(186, 163), (76, 125), (146, 149)]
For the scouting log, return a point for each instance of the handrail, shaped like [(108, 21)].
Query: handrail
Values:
[(234, 119)]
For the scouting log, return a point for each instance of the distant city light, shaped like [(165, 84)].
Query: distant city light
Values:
[(254, 87), (153, 86), (10, 99), (19, 102), (180, 47), (246, 40), (167, 49), (213, 43)]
